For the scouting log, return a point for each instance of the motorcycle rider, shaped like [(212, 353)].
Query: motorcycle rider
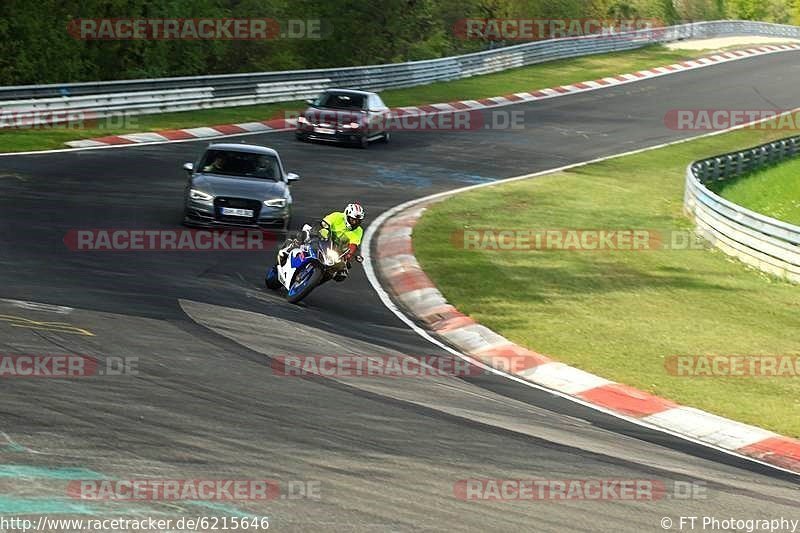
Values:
[(344, 229)]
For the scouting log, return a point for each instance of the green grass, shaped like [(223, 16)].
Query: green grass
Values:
[(774, 191), (517, 80), (620, 314), (561, 72)]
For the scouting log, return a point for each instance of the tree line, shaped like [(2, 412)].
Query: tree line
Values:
[(37, 47)]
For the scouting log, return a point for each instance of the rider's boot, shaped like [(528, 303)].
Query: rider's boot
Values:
[(342, 274)]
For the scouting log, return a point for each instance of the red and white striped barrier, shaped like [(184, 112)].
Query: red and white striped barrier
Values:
[(403, 278)]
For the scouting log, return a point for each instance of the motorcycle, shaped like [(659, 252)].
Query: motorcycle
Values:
[(302, 265)]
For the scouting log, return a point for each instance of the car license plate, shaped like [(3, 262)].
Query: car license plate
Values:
[(237, 212), (325, 131)]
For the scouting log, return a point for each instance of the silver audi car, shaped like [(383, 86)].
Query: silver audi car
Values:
[(239, 185)]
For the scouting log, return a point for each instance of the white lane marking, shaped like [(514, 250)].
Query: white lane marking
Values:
[(143, 137), (550, 92), (253, 126), (391, 306), (203, 132), (85, 143), (564, 378), (37, 306), (702, 425)]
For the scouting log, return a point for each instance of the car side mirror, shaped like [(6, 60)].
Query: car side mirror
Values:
[(188, 167), (291, 176)]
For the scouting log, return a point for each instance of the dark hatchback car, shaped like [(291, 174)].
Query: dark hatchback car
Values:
[(345, 116), (238, 185)]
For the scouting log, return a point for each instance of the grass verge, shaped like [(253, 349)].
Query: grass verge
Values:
[(614, 313), (774, 191), (517, 80)]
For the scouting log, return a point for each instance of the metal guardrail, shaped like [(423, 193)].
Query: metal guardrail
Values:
[(758, 240), (52, 103)]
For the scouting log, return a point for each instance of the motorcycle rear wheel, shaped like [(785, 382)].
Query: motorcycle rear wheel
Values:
[(271, 279)]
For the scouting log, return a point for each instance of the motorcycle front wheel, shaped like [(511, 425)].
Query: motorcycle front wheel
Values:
[(304, 283)]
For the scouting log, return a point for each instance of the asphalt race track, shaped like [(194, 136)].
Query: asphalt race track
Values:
[(385, 453)]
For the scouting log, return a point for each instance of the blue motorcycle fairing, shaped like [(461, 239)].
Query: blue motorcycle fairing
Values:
[(303, 256)]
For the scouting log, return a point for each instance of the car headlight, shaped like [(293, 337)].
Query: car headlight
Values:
[(302, 120), (200, 196), (352, 125), (275, 202)]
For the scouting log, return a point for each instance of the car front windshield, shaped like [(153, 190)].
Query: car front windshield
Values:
[(341, 101), (247, 164)]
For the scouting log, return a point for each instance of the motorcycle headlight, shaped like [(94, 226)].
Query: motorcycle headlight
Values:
[(331, 257), (200, 196), (275, 202)]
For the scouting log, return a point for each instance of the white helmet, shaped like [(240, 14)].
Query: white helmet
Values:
[(354, 214)]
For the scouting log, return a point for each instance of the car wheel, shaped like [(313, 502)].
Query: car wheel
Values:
[(385, 137), (364, 141)]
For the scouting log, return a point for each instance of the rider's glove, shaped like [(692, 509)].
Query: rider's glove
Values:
[(350, 252), (324, 231)]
